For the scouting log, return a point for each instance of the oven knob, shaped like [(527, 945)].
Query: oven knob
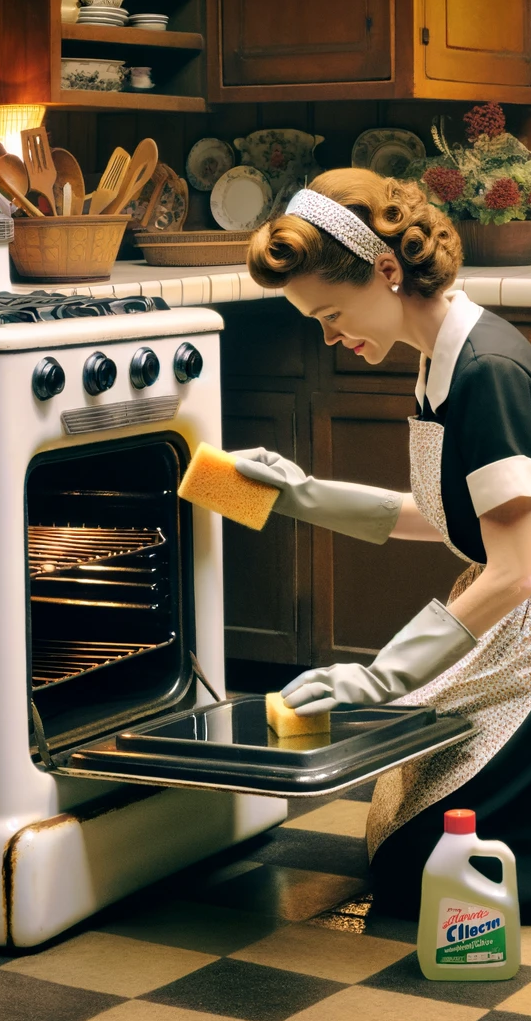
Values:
[(48, 379), (187, 363), (99, 373), (145, 368)]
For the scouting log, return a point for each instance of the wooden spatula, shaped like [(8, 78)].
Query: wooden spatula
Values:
[(68, 172), (140, 170), (39, 163), (111, 180)]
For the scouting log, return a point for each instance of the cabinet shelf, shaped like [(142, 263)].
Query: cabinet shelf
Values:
[(73, 99), (133, 37)]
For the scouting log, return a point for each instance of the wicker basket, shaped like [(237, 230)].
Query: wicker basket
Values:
[(194, 248), (67, 249)]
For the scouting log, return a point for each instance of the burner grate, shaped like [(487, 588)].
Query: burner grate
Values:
[(56, 660), (52, 548)]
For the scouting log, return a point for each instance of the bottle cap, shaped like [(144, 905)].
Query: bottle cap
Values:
[(460, 820)]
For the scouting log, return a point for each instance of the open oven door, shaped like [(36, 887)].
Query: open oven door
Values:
[(229, 746)]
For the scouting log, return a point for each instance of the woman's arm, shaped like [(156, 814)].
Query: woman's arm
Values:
[(412, 525), (506, 580)]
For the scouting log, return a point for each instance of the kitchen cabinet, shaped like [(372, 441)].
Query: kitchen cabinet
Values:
[(296, 594), (33, 39), (372, 49)]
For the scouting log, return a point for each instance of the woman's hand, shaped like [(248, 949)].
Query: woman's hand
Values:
[(431, 643)]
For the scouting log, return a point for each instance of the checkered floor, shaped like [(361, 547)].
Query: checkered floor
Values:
[(282, 928)]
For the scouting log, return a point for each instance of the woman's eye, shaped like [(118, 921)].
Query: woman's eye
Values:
[(332, 318)]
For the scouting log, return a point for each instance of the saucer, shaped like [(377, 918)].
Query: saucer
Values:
[(207, 161), (387, 151)]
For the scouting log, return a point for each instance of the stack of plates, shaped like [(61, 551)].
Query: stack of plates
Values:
[(99, 15), (153, 22)]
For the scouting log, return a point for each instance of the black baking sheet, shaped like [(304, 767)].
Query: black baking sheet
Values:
[(229, 744)]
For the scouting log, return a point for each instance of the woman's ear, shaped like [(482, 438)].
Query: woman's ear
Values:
[(389, 266)]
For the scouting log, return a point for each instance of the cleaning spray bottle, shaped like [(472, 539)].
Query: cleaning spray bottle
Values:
[(469, 928)]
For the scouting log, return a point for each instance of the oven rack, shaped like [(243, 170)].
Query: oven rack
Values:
[(53, 548), (55, 660)]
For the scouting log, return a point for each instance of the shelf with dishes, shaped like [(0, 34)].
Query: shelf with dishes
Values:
[(84, 99), (133, 37)]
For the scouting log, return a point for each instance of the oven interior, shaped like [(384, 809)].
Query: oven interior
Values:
[(109, 585)]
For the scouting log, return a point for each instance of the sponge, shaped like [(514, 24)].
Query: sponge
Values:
[(212, 481), (300, 743), (286, 723)]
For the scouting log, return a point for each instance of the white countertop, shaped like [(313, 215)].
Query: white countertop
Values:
[(507, 286)]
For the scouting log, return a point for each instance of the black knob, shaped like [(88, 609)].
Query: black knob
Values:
[(145, 368), (187, 363), (48, 379), (99, 373)]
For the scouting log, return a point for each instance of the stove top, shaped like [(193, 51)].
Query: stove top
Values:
[(40, 306)]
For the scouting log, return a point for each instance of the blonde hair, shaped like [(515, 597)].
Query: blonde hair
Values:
[(423, 239)]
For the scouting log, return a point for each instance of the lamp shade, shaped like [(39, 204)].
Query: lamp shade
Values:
[(14, 119)]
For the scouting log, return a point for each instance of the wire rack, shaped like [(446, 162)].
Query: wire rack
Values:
[(54, 549), (56, 660)]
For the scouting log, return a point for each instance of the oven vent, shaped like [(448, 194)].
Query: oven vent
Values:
[(115, 416), (55, 660), (53, 549)]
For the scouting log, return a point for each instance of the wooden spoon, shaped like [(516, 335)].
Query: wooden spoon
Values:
[(141, 167), (14, 183), (68, 172)]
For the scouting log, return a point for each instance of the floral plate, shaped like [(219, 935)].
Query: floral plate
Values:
[(241, 199), (163, 202), (207, 161), (283, 154), (387, 151)]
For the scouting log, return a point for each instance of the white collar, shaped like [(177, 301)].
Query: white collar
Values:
[(461, 317)]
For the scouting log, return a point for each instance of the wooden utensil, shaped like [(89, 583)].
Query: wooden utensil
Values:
[(68, 172), (111, 180), (14, 183), (140, 169), (39, 163)]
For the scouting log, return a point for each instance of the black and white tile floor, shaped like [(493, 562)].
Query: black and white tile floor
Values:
[(279, 929)]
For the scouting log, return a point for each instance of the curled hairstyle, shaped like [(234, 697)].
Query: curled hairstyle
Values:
[(423, 239)]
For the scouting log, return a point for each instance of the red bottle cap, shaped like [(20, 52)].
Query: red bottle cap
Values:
[(460, 820)]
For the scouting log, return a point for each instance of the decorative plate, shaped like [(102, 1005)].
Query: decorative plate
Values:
[(241, 199), (387, 151), (207, 161), (163, 202), (283, 154)]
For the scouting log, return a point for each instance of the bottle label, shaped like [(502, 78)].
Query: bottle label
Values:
[(470, 934)]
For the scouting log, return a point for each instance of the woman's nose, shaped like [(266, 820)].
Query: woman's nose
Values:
[(331, 338)]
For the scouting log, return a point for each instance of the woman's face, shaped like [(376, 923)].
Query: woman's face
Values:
[(367, 319)]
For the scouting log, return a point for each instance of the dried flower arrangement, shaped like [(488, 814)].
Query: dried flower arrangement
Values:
[(489, 180)]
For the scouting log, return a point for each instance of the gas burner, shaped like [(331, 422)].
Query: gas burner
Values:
[(40, 306)]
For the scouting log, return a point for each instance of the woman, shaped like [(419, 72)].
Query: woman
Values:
[(372, 260)]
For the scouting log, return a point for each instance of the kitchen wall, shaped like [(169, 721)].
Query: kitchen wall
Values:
[(92, 137)]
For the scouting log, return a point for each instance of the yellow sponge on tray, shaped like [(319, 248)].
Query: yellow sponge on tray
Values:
[(212, 481), (286, 723)]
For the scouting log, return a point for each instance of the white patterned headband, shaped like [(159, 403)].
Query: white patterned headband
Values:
[(335, 219)]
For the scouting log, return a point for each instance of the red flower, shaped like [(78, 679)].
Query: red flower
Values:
[(488, 119), (448, 184), (504, 193), (277, 158)]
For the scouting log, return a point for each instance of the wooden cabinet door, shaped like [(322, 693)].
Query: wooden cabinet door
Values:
[(267, 598), (362, 593), (284, 42), (483, 41)]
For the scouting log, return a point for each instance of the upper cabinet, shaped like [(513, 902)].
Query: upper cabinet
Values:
[(369, 49), (34, 39), (291, 43)]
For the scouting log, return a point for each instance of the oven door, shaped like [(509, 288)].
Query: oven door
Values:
[(229, 746)]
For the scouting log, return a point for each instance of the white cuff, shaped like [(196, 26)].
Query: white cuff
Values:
[(500, 481)]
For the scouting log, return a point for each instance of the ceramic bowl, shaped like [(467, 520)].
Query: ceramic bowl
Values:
[(92, 75)]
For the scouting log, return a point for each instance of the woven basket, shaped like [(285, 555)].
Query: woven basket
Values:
[(194, 248), (69, 249)]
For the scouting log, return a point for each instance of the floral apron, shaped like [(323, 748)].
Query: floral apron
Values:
[(491, 685)]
